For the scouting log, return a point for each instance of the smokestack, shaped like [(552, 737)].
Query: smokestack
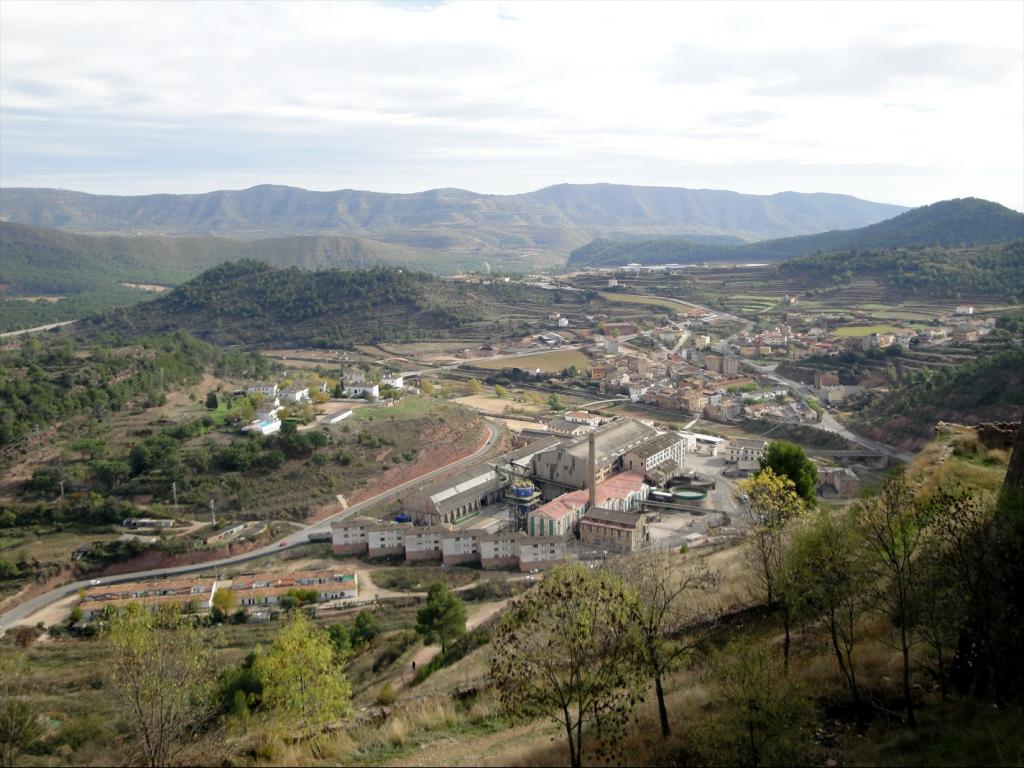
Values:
[(592, 470)]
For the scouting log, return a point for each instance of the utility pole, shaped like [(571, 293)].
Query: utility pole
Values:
[(61, 490), (174, 493), (213, 513), (161, 379)]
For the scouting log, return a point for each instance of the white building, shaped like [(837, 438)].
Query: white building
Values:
[(295, 394), (396, 382), (267, 390), (460, 546), (370, 391), (583, 417), (743, 450), (541, 552)]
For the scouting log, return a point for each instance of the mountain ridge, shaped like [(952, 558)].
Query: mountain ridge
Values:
[(558, 217), (957, 222)]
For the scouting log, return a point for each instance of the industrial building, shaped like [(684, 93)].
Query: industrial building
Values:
[(613, 531), (458, 497), (566, 466), (659, 459)]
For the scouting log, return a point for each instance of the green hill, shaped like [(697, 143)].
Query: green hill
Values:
[(984, 390), (40, 260), (991, 270), (252, 303), (951, 223)]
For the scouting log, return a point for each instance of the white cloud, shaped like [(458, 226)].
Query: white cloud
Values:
[(886, 102)]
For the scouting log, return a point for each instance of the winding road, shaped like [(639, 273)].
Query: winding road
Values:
[(301, 536)]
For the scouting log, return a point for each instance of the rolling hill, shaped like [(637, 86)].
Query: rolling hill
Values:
[(40, 260), (950, 223), (556, 218), (254, 304)]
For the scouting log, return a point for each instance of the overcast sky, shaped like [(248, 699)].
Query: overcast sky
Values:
[(902, 103)]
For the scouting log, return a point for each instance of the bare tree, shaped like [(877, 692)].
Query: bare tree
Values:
[(673, 611), (162, 672)]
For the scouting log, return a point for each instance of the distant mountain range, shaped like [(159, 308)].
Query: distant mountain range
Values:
[(554, 220), (951, 223)]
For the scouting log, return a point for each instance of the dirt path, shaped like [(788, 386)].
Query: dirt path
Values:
[(426, 654)]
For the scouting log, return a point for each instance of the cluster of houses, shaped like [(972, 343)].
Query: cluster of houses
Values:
[(689, 380), (356, 384), (253, 590), (275, 399)]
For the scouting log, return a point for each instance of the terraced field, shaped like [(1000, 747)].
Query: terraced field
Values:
[(547, 361)]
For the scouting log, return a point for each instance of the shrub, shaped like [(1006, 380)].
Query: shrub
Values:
[(386, 695)]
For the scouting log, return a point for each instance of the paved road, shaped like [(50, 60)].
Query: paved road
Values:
[(830, 424), (295, 539), (37, 329)]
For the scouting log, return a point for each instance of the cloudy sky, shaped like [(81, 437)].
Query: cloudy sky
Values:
[(902, 103)]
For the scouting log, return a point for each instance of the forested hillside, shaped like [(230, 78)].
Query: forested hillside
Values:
[(252, 303), (986, 389), (995, 270), (42, 382), (49, 261), (951, 223)]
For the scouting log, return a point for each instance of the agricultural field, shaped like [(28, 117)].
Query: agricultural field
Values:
[(629, 298), (855, 331), (552, 362)]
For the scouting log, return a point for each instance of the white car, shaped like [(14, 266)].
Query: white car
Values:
[(94, 582)]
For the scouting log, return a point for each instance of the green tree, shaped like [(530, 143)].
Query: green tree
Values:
[(830, 582), (554, 402), (790, 460), (93, 448), (671, 614), (567, 650), (162, 672), (427, 387), (892, 525), (365, 629), (301, 678), (757, 716), (443, 618), (341, 639), (212, 403), (500, 391), (225, 600), (773, 502), (475, 388)]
